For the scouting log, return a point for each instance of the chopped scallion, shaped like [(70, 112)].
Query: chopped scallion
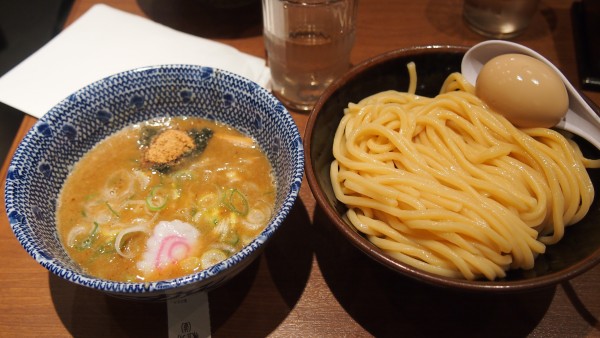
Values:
[(232, 238), (112, 210), (89, 240), (235, 201), (157, 199)]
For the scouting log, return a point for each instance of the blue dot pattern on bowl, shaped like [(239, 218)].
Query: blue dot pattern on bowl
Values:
[(50, 149)]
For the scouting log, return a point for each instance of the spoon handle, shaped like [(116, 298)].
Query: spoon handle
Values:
[(588, 125), (585, 126)]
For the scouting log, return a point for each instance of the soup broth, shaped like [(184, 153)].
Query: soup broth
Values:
[(165, 198)]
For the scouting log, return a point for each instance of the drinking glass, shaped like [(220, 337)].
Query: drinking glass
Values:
[(501, 19), (308, 44)]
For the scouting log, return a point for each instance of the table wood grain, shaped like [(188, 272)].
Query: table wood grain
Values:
[(310, 282)]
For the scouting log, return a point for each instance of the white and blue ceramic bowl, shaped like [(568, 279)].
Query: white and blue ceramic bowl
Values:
[(57, 141)]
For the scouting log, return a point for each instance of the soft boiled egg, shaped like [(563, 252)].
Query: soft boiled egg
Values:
[(524, 90)]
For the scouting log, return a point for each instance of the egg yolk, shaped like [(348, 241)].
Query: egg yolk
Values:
[(523, 89)]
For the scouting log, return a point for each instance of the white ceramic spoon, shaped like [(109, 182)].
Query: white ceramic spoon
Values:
[(580, 118)]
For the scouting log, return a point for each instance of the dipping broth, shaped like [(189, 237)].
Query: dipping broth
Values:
[(165, 198)]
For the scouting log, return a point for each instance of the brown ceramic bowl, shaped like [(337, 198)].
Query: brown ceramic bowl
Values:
[(576, 253)]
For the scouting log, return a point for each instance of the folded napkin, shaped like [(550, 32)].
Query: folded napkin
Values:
[(105, 41)]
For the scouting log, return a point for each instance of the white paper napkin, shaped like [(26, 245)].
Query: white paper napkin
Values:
[(105, 41)]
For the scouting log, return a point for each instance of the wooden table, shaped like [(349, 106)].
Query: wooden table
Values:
[(306, 283)]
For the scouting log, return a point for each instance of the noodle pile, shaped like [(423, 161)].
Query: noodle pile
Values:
[(446, 185)]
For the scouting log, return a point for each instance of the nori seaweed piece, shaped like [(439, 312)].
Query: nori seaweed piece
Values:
[(201, 139)]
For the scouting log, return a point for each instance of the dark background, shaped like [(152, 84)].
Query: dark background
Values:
[(25, 26)]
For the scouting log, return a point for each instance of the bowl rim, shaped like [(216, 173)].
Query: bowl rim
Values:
[(158, 289), (377, 254)]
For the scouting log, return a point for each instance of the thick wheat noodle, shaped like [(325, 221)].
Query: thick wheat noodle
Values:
[(448, 186)]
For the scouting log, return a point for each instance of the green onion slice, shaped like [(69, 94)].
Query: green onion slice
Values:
[(89, 240), (157, 199), (112, 210), (235, 201)]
